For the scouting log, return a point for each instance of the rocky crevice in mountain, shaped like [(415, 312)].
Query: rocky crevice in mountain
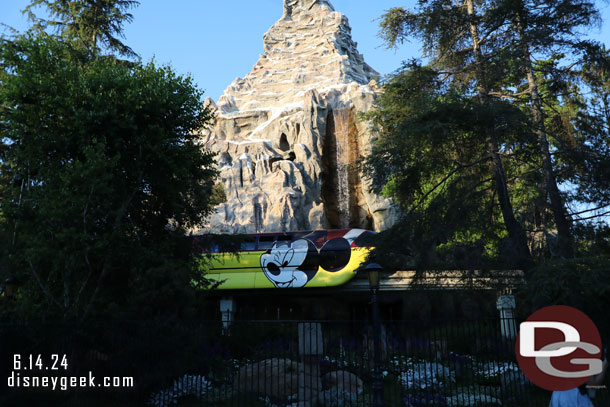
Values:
[(288, 133)]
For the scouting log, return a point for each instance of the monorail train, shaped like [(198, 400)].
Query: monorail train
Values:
[(321, 258)]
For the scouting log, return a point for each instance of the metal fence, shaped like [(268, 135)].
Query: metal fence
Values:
[(267, 363)]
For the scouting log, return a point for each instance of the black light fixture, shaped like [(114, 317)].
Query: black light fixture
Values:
[(373, 270)]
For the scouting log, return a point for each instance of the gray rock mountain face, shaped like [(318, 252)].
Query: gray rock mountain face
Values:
[(287, 133)]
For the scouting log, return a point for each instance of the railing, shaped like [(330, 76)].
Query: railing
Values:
[(270, 363)]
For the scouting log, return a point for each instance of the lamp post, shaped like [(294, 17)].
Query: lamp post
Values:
[(374, 273)]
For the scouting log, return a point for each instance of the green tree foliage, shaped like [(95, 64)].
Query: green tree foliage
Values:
[(574, 121), (92, 24), (501, 57), (591, 126), (434, 160), (546, 27), (458, 46), (581, 283), (102, 176)]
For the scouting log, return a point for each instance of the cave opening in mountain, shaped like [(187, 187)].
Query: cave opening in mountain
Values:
[(241, 174), (225, 160), (284, 145), (272, 161)]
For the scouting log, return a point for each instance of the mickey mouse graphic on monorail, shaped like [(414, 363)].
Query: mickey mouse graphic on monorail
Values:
[(319, 258), (294, 264)]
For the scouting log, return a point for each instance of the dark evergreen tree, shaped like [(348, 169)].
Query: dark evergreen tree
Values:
[(94, 25), (433, 157), (546, 28), (513, 51), (463, 46), (589, 128)]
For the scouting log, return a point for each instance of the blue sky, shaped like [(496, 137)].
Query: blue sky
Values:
[(218, 41)]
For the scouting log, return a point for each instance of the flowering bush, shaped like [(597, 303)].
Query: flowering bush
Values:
[(187, 385), (424, 375), (471, 399), (429, 383), (495, 369)]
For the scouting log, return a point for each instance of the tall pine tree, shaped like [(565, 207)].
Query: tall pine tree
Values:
[(94, 25), (490, 50), (545, 28), (462, 45)]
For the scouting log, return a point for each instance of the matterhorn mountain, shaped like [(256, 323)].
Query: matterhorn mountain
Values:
[(288, 133)]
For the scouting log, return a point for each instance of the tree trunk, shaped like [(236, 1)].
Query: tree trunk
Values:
[(563, 224), (515, 231)]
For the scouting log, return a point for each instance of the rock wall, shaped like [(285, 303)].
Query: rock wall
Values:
[(288, 133)]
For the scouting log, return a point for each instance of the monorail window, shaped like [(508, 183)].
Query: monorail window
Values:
[(318, 238), (335, 254), (266, 242), (283, 240), (248, 244)]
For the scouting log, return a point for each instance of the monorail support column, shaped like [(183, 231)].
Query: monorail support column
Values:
[(227, 310), (311, 349)]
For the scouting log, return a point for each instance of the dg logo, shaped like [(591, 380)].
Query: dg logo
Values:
[(559, 348)]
